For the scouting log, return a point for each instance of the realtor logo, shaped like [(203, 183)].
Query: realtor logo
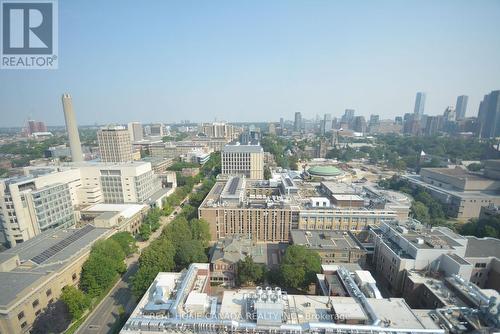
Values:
[(29, 34)]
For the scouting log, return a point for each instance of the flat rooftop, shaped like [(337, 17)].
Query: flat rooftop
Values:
[(43, 255), (327, 239), (176, 291), (247, 194), (428, 238), (468, 194), (338, 187), (125, 210), (344, 197), (246, 148), (482, 247), (233, 249)]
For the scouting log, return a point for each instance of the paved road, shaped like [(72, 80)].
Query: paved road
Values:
[(106, 314)]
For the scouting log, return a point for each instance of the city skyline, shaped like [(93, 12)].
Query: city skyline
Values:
[(277, 59)]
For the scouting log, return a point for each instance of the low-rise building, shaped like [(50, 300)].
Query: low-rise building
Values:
[(184, 300), (196, 157), (174, 150), (190, 171), (462, 192), (399, 247), (332, 246), (120, 217), (269, 209), (227, 252), (33, 274), (461, 305)]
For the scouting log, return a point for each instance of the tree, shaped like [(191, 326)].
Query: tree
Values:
[(76, 301), (484, 227), (112, 251), (158, 256), (200, 230), (177, 231), (293, 163), (189, 251), (299, 267), (293, 277), (474, 167), (105, 263), (160, 253), (144, 232), (189, 211), (126, 242), (97, 275), (267, 173), (249, 272), (420, 212)]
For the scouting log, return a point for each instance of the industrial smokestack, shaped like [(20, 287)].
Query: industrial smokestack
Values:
[(72, 128)]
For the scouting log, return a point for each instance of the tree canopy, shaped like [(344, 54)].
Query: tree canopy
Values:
[(299, 267), (126, 242), (249, 272), (76, 301)]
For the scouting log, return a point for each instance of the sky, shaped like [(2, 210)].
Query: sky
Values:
[(258, 60)]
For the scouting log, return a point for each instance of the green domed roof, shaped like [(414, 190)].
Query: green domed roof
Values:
[(325, 171)]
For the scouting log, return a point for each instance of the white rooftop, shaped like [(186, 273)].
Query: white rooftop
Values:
[(343, 197), (125, 210)]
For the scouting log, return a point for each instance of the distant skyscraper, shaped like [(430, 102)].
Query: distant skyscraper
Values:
[(157, 129), (433, 125), (282, 125), (219, 130), (450, 114), (33, 126), (297, 125), (419, 105), (272, 129), (359, 124), (348, 116), (489, 115), (461, 107), (135, 131), (41, 127), (114, 144), (374, 119), (327, 123), (72, 128)]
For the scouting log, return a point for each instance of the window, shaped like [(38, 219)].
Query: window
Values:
[(38, 312), (24, 324), (20, 315), (48, 292), (35, 303), (74, 276)]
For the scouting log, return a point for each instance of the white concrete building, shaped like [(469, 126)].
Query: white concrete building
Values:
[(132, 182), (135, 131), (46, 196), (243, 160), (32, 204), (114, 144)]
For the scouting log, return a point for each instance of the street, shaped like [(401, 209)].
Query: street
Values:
[(107, 313)]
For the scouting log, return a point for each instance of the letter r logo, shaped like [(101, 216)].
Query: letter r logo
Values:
[(27, 27)]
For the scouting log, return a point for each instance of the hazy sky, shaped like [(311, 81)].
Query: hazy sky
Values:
[(258, 60)]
